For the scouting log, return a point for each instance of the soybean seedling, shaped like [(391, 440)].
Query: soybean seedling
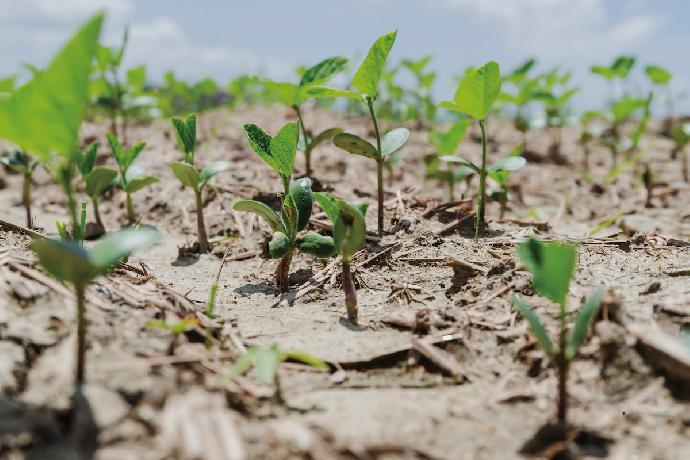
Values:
[(294, 95), (477, 93), (131, 177), (187, 173), (620, 69), (425, 108), (446, 144), (176, 326), (266, 362), (349, 231), (552, 266), (67, 261), (98, 180), (556, 105), (525, 90), (21, 163), (661, 77), (367, 81), (681, 136), (297, 200), (501, 177)]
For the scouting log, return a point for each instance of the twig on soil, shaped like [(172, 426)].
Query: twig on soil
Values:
[(314, 282), (439, 357), (449, 227), (498, 293), (442, 207), (380, 253), (20, 229)]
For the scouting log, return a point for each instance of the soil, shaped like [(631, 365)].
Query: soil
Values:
[(490, 391)]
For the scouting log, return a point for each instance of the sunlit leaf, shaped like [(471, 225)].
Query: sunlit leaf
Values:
[(537, 328), (354, 144), (211, 170), (393, 140), (268, 214), (367, 77), (551, 265)]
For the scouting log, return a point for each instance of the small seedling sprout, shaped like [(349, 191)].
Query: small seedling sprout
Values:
[(21, 163), (446, 144), (552, 266), (501, 177), (98, 180), (176, 326), (187, 173)]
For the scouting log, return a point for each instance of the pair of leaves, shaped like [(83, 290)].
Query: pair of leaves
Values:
[(554, 101), (67, 261), (20, 162), (510, 163), (124, 158), (390, 143), (278, 152), (98, 180), (477, 92), (134, 179), (447, 143), (620, 68), (45, 114), (191, 177), (502, 176), (349, 225), (186, 136)]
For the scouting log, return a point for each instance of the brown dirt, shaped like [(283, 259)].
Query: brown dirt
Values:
[(399, 406)]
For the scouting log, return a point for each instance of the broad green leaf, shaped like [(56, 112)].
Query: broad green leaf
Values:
[(349, 229), (624, 108), (136, 77), (563, 98), (535, 324), (211, 170), (456, 159), (241, 364), (329, 205), (362, 208), (451, 140), (114, 247), (367, 77), (15, 164), (622, 66), (507, 164), (551, 265), (87, 161), (323, 71), (658, 75), (324, 91), (393, 140), (99, 181), (450, 105), (605, 72), (187, 174), (320, 246), (186, 134), (325, 135), (132, 154), (262, 210), (582, 323), (354, 144), (117, 149), (261, 144), (7, 84), (267, 360), (304, 357), (502, 176), (545, 97), (50, 112), (65, 260), (462, 173), (139, 183), (479, 90), (288, 92), (300, 190), (283, 147)]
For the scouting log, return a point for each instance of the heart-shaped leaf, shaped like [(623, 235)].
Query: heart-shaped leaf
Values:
[(300, 190), (324, 91), (507, 164), (367, 77), (329, 205), (551, 266), (479, 90), (582, 324), (211, 170), (323, 71), (393, 140), (537, 328), (455, 159), (262, 210), (99, 181), (187, 174), (354, 144), (139, 183), (325, 135)]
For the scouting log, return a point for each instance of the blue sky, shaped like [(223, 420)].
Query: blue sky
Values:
[(223, 39)]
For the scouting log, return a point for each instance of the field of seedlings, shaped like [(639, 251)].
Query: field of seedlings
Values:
[(275, 270)]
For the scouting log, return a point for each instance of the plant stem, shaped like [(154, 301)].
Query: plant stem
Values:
[(284, 272), (96, 214), (350, 292), (562, 390), (130, 209), (307, 144), (481, 205), (451, 195), (379, 163), (27, 199), (201, 227), (81, 335)]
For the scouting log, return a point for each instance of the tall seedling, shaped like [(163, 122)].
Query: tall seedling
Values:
[(294, 95), (349, 231), (297, 201), (367, 80), (98, 180), (446, 144), (552, 266), (187, 173), (132, 177), (24, 165), (477, 93)]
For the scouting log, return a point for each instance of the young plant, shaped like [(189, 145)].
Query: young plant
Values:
[(187, 173), (477, 93), (294, 95), (661, 77), (176, 326), (349, 231), (556, 105), (21, 163), (501, 177), (391, 161), (552, 266), (620, 69), (108, 85), (266, 362), (446, 144), (525, 87), (131, 177), (98, 180), (67, 261), (681, 136), (367, 80), (424, 108), (297, 200)]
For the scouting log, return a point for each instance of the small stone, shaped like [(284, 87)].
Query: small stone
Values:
[(93, 231), (107, 405)]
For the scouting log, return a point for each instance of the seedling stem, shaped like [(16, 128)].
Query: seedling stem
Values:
[(81, 335), (130, 209), (379, 163), (307, 142), (201, 227), (349, 289), (482, 183)]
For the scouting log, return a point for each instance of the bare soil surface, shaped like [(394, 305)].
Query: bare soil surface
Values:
[(441, 366)]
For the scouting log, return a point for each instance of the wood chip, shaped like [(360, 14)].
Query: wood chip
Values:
[(449, 227)]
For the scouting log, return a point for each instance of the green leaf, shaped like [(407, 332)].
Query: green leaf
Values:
[(681, 136), (463, 173), (551, 265), (658, 75), (116, 148), (114, 247), (241, 364), (132, 154), (507, 164), (262, 210), (187, 174), (288, 92), (323, 71), (393, 140), (140, 182), (624, 108), (582, 323), (64, 260), (622, 66), (354, 144), (261, 144), (329, 205), (450, 106), (367, 77), (605, 72), (304, 357), (300, 190), (186, 134), (325, 135), (563, 98), (283, 148), (99, 181), (479, 90), (535, 324), (136, 77), (211, 170), (324, 91), (455, 159), (46, 116), (267, 360), (87, 161), (349, 229), (502, 176), (451, 140), (15, 164)]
